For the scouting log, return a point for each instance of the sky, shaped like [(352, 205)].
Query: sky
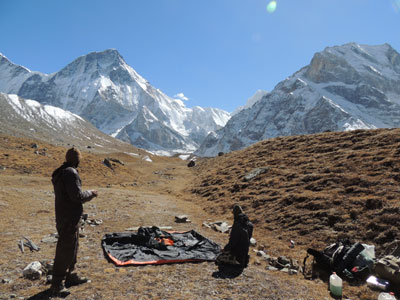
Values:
[(210, 53)]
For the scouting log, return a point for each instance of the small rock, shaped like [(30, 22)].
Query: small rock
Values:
[(50, 239), (261, 253), (33, 270), (271, 268), (12, 296), (254, 173), (292, 272), (206, 225), (117, 161), (6, 281), (49, 279), (283, 260), (292, 244), (220, 153), (191, 164), (107, 163), (182, 219), (35, 146), (253, 242), (98, 221), (221, 227), (285, 270)]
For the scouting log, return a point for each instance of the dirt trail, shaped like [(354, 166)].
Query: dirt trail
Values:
[(136, 194)]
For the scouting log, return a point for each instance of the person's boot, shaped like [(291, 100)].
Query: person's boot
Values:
[(59, 290), (74, 279)]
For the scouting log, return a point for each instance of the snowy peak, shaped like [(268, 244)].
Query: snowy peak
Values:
[(352, 61), (95, 61), (29, 118), (250, 102), (103, 89), (344, 88)]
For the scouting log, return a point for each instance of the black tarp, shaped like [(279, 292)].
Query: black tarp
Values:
[(154, 246)]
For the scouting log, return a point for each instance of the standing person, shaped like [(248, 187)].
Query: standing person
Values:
[(237, 249), (68, 206)]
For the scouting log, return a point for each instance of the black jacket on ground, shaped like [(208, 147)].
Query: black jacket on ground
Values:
[(239, 239), (69, 196)]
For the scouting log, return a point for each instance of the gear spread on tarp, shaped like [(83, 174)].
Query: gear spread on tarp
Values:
[(154, 246)]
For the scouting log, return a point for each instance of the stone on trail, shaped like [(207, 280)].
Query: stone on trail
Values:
[(182, 219), (50, 239), (33, 270), (253, 242)]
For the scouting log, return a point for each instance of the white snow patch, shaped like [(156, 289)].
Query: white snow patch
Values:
[(184, 156), (147, 158), (132, 154)]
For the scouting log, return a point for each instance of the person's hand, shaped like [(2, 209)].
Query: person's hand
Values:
[(95, 193)]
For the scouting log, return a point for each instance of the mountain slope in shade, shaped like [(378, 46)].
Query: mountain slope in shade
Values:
[(344, 88), (104, 90), (29, 118)]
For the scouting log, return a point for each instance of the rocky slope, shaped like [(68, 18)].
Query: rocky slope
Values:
[(344, 88), (110, 94), (29, 118)]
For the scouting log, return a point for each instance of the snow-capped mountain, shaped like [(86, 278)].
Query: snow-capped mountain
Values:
[(103, 89), (250, 102), (345, 87), (29, 118)]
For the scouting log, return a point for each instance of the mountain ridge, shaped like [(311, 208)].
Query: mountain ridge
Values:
[(343, 88), (102, 88)]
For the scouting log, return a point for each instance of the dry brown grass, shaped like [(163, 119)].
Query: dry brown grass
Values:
[(359, 188), (317, 188)]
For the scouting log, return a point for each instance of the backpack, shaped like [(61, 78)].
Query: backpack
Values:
[(388, 268), (341, 257)]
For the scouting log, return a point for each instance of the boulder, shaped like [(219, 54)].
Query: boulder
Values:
[(33, 270)]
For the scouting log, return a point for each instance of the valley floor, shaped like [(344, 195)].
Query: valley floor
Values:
[(139, 193)]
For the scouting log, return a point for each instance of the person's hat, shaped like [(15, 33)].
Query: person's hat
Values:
[(73, 156), (237, 210)]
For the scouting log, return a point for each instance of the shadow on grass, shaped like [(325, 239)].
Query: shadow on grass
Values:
[(227, 271), (44, 295)]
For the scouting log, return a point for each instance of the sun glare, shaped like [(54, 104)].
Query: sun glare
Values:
[(396, 5), (271, 7)]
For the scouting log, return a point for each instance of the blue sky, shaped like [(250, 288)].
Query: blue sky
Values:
[(217, 53)]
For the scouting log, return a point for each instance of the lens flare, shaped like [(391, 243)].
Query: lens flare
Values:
[(271, 7), (396, 5)]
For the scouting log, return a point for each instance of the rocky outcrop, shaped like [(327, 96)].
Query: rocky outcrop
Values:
[(344, 88)]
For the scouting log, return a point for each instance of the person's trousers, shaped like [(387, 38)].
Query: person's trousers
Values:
[(66, 252)]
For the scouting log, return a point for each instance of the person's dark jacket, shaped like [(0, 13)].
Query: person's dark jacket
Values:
[(69, 196), (239, 239)]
